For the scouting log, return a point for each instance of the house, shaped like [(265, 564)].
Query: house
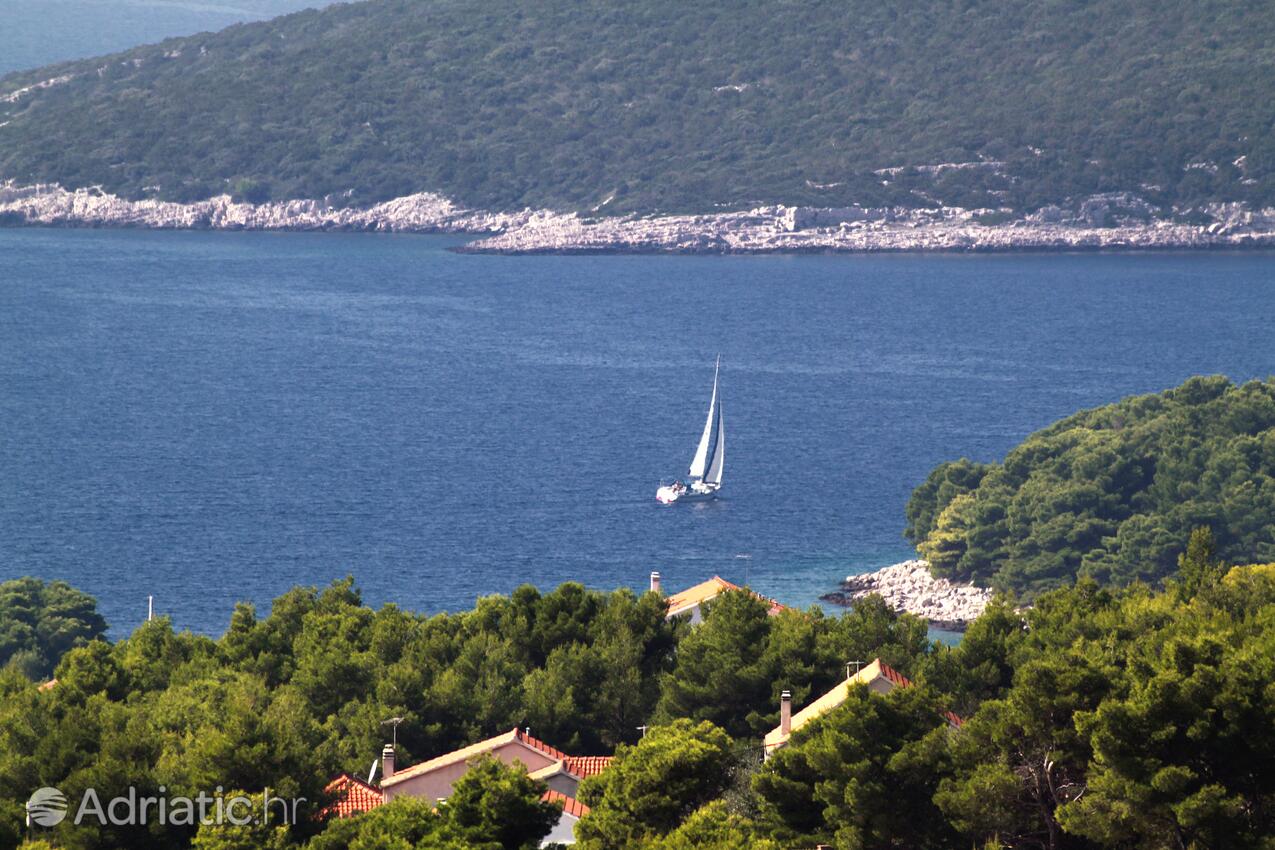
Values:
[(689, 601), (354, 797), (878, 677), (433, 779)]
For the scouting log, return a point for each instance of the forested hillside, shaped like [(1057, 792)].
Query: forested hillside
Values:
[(1097, 719), (1111, 493), (667, 106)]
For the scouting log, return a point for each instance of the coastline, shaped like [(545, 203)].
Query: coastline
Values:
[(909, 587), (1113, 222)]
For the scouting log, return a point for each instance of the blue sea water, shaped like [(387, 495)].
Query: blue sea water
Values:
[(213, 417)]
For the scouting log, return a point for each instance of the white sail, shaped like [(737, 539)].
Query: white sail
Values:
[(719, 452), (701, 453)]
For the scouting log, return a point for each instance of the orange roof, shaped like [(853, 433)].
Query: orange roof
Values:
[(48, 686), (679, 603), (586, 766), (536, 743), (570, 805), (353, 796)]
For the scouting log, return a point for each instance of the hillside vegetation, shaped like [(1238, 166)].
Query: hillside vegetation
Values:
[(1112, 493), (667, 106), (1097, 719)]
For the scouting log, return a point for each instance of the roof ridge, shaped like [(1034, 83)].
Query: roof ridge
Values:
[(350, 777), (536, 743)]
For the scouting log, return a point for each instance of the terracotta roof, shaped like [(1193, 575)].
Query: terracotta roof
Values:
[(536, 743), (353, 796), (586, 766), (570, 805), (877, 671), (48, 686), (681, 602)]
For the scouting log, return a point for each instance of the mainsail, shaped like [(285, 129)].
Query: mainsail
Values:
[(701, 453), (719, 452)]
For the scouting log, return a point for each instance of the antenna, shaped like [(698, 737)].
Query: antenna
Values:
[(857, 666), (394, 721), (371, 774), (150, 608), (643, 729)]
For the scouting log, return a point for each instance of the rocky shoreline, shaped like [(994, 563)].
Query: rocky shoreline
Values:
[(910, 587), (1117, 221)]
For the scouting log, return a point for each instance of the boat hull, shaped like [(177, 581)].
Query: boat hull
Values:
[(666, 495)]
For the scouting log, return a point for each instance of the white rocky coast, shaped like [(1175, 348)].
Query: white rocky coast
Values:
[(910, 587), (1104, 222), (1109, 222), (423, 212)]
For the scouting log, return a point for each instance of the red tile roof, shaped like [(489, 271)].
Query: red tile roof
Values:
[(551, 752), (353, 796), (586, 766), (570, 805)]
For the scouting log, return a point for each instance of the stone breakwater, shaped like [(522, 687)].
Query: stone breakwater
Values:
[(910, 587), (1103, 222)]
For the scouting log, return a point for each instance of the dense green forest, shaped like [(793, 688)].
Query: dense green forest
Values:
[(40, 622), (1111, 493), (1098, 718), (670, 106)]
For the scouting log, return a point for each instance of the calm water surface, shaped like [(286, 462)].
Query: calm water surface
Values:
[(212, 417)]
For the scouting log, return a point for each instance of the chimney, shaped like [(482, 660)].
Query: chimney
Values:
[(387, 762), (655, 582), (785, 713)]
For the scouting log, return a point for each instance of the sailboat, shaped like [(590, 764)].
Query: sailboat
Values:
[(705, 474)]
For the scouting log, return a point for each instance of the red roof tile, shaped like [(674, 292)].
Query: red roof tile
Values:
[(353, 796), (894, 675), (551, 752), (586, 766), (570, 805)]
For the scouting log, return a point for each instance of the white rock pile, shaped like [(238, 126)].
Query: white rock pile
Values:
[(910, 587)]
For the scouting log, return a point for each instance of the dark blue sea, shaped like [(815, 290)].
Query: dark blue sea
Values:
[(214, 417)]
